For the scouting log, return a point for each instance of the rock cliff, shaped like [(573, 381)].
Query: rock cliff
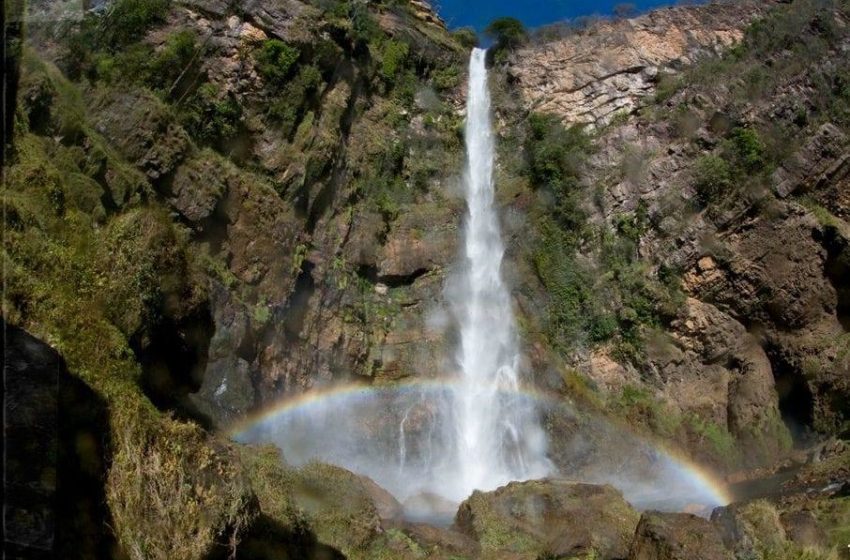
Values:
[(608, 68), (212, 205)]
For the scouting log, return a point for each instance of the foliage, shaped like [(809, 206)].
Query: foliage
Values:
[(393, 56), (111, 31), (209, 116), (287, 108), (466, 36), (713, 178), (742, 160), (507, 33), (748, 149), (446, 78), (276, 61), (555, 154)]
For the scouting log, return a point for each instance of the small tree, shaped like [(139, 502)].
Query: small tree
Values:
[(508, 33)]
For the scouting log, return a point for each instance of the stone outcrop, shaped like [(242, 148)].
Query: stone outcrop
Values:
[(591, 75), (677, 536), (549, 517)]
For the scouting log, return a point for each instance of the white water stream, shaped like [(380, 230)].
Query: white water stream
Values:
[(497, 435), (432, 443)]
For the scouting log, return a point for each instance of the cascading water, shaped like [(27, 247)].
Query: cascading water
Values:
[(497, 435), (432, 442)]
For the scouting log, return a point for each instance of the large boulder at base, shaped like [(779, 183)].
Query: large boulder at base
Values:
[(549, 517), (677, 536)]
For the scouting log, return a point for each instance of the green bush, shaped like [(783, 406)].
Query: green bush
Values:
[(124, 22), (446, 78), (288, 105), (748, 149), (172, 60), (127, 21), (508, 33), (393, 56), (276, 61), (209, 116), (555, 155), (713, 178)]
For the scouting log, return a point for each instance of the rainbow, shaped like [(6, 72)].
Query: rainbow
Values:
[(711, 487)]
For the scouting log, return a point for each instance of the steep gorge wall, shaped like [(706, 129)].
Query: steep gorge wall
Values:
[(762, 330), (594, 74)]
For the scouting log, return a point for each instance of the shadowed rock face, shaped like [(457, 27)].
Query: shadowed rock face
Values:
[(549, 516), (55, 456), (591, 75)]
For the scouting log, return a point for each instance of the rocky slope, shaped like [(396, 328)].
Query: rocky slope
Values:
[(593, 74), (211, 205)]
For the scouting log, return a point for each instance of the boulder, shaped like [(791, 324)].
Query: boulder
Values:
[(549, 517), (677, 536)]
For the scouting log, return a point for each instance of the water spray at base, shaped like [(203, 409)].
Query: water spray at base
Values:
[(431, 444)]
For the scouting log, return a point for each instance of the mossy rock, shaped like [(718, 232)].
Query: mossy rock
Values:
[(549, 517)]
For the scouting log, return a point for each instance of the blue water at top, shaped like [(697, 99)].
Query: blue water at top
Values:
[(533, 13)]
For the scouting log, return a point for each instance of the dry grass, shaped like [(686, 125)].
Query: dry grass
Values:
[(174, 492)]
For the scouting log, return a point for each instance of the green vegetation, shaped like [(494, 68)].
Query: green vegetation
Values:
[(466, 37), (276, 61), (123, 23), (621, 296), (393, 56), (210, 116), (742, 161), (507, 33)]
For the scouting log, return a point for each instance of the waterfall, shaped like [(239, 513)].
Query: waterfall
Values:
[(473, 427), (497, 436)]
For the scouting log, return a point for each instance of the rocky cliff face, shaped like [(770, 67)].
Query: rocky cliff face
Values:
[(232, 202), (757, 242), (593, 74)]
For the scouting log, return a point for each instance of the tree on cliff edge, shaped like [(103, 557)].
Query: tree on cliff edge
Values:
[(507, 34)]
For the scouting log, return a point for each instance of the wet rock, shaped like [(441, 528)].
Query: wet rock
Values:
[(677, 536), (226, 392), (423, 238), (549, 516)]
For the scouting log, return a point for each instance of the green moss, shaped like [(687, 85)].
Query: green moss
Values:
[(639, 407), (722, 445)]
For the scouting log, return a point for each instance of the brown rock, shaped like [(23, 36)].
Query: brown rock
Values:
[(677, 536), (590, 76), (549, 516)]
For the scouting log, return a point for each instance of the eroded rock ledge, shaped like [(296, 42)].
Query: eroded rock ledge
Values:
[(592, 75)]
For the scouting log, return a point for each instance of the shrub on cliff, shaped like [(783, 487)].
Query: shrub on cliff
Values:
[(507, 33), (555, 155), (466, 36), (276, 61), (713, 177), (209, 116), (112, 30)]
